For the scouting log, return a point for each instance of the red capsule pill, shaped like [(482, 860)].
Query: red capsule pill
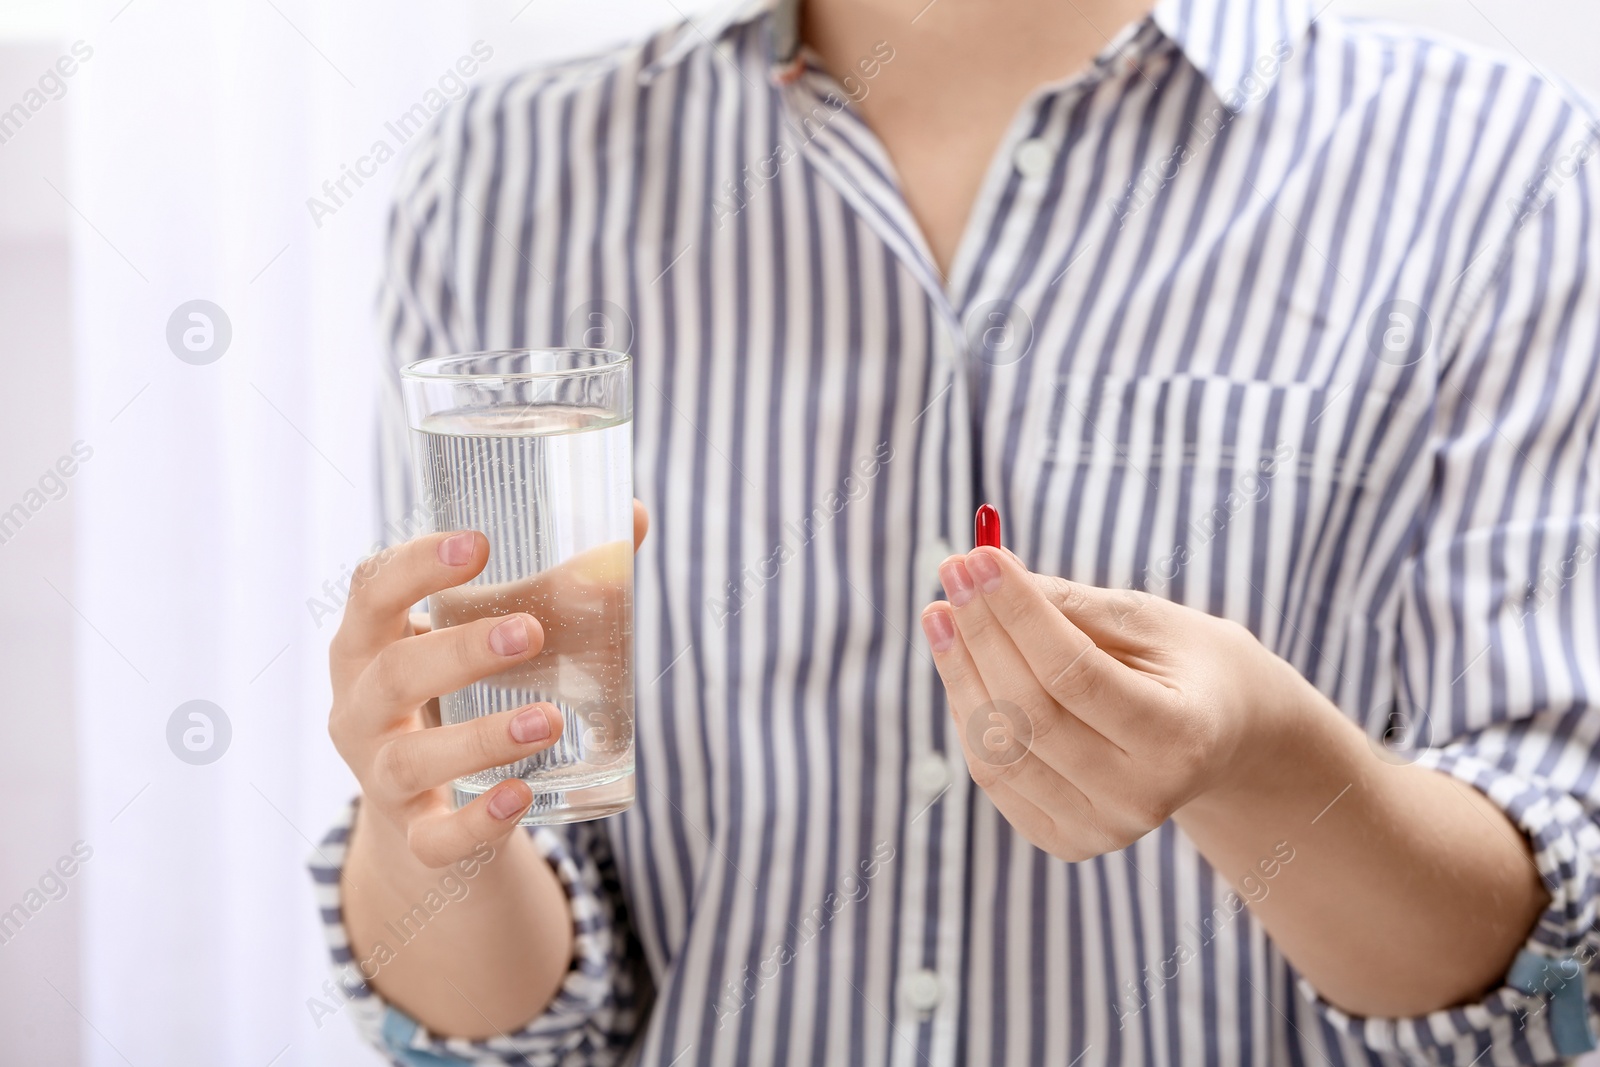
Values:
[(986, 527)]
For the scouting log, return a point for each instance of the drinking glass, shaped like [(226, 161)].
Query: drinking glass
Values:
[(534, 448)]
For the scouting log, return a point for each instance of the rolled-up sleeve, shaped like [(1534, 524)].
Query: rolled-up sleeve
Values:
[(1498, 653), (595, 1013)]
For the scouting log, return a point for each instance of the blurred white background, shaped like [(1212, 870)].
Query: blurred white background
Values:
[(179, 560)]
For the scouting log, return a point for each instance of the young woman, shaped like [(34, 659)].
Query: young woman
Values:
[(1268, 738)]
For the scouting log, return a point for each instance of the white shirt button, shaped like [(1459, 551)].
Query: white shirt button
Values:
[(922, 990), (1033, 158), (930, 774)]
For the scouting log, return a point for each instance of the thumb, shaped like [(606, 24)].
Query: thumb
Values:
[(641, 524), (1109, 617)]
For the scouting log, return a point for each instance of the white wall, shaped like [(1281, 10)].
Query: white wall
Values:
[(188, 146), (1557, 36), (38, 758)]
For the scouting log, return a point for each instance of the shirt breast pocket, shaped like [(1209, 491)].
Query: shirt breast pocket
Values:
[(1252, 500)]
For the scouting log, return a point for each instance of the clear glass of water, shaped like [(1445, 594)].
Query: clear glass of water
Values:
[(534, 448)]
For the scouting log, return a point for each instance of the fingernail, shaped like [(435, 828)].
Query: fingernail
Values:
[(510, 638), (505, 803), (957, 582), (940, 630), (456, 550), (531, 725), (985, 570)]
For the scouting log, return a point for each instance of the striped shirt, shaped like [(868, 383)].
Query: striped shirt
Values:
[(1292, 320)]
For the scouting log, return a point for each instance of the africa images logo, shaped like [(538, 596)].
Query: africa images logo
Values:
[(451, 85)]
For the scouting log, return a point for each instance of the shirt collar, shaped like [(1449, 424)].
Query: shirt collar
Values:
[(1240, 46), (697, 31)]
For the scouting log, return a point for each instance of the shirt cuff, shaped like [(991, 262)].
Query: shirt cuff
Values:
[(594, 1014), (1542, 1012)]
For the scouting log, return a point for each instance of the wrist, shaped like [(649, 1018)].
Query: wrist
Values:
[(381, 867), (475, 948), (1289, 738)]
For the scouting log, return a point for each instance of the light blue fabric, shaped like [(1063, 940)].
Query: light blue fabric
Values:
[(1562, 981), (398, 1030)]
